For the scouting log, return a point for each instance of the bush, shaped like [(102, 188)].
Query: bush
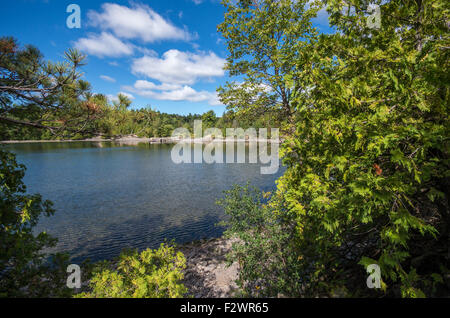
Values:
[(24, 269), (149, 274), (268, 264)]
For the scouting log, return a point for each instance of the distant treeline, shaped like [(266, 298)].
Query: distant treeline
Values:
[(117, 119)]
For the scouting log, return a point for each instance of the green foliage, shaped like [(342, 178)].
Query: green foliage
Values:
[(373, 175), (149, 274), (122, 102), (41, 94), (209, 119), (258, 234), (43, 100), (24, 271), (263, 39), (367, 149)]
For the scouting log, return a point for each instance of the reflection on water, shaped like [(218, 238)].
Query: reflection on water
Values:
[(109, 196)]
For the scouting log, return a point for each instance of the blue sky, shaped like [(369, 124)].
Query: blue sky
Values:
[(163, 53)]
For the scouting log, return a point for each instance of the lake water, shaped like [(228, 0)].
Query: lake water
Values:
[(109, 196)]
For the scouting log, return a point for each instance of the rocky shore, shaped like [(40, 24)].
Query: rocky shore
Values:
[(206, 273), (119, 139), (133, 140)]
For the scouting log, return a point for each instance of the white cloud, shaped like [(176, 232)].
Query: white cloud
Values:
[(146, 85), (103, 45), (108, 78), (145, 50), (173, 92), (179, 67), (185, 93), (115, 98), (137, 22)]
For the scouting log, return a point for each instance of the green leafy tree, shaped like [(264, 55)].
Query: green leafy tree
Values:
[(209, 119), (372, 182), (166, 130), (24, 270), (367, 164), (149, 274), (263, 40)]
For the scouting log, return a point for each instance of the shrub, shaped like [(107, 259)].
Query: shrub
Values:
[(24, 269), (149, 274), (260, 244)]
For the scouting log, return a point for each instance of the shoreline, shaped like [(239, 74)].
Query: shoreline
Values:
[(94, 139), (207, 274), (136, 140)]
